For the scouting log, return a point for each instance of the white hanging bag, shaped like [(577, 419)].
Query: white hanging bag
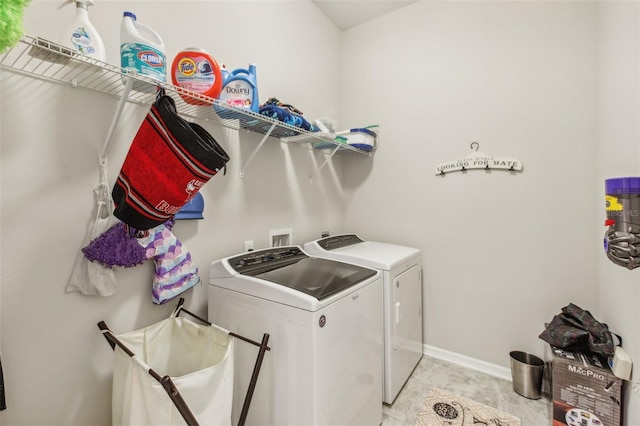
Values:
[(91, 278)]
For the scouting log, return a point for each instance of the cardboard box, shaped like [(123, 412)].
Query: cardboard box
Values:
[(584, 391)]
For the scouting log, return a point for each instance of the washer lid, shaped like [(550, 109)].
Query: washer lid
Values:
[(293, 268), (372, 254), (317, 277)]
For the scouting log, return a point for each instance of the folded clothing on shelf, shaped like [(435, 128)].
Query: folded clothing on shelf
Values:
[(286, 113)]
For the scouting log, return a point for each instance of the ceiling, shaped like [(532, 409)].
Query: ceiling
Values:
[(348, 13)]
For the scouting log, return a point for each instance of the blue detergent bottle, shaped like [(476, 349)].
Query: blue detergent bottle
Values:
[(240, 88)]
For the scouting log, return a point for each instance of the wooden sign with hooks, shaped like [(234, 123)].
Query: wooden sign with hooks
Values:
[(479, 160)]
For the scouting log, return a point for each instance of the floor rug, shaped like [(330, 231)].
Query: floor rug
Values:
[(443, 408)]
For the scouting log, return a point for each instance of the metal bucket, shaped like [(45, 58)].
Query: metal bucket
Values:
[(526, 372)]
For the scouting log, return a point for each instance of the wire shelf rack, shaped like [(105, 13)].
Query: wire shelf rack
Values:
[(43, 59)]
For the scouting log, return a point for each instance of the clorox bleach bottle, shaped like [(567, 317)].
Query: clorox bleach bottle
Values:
[(142, 52), (80, 35)]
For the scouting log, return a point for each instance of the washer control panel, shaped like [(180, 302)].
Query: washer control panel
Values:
[(332, 243), (266, 259)]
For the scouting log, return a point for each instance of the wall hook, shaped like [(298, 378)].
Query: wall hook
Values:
[(479, 160)]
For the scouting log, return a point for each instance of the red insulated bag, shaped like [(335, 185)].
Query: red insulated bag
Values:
[(168, 162)]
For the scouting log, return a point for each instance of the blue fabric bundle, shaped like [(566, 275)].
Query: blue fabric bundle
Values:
[(288, 114)]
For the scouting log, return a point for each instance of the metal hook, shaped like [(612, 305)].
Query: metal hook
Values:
[(476, 144)]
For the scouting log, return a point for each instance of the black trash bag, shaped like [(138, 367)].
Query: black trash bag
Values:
[(575, 329)]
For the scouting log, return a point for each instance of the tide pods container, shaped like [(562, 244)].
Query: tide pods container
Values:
[(195, 70)]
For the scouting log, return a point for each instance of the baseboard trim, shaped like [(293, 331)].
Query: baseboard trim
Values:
[(466, 361)]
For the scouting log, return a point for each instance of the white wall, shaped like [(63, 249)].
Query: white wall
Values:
[(554, 84), (502, 252), (618, 152), (57, 365)]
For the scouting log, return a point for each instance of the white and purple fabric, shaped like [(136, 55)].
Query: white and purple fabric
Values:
[(123, 246), (175, 273)]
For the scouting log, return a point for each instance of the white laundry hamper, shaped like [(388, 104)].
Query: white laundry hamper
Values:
[(196, 384)]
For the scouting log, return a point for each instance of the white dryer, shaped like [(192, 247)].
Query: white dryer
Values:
[(402, 298), (324, 320)]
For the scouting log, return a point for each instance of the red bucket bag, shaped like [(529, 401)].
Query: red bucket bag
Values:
[(169, 161)]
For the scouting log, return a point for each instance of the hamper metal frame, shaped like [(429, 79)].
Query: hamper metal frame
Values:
[(169, 386)]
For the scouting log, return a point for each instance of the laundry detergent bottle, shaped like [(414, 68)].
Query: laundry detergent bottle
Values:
[(80, 35), (195, 70), (142, 52), (240, 88)]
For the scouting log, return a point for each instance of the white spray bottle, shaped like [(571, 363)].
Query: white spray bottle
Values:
[(80, 35)]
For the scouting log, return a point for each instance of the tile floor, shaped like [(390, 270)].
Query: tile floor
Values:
[(468, 383)]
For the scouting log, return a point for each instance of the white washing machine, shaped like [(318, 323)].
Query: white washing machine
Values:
[(324, 318), (402, 297)]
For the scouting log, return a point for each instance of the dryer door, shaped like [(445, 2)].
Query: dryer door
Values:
[(407, 324)]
